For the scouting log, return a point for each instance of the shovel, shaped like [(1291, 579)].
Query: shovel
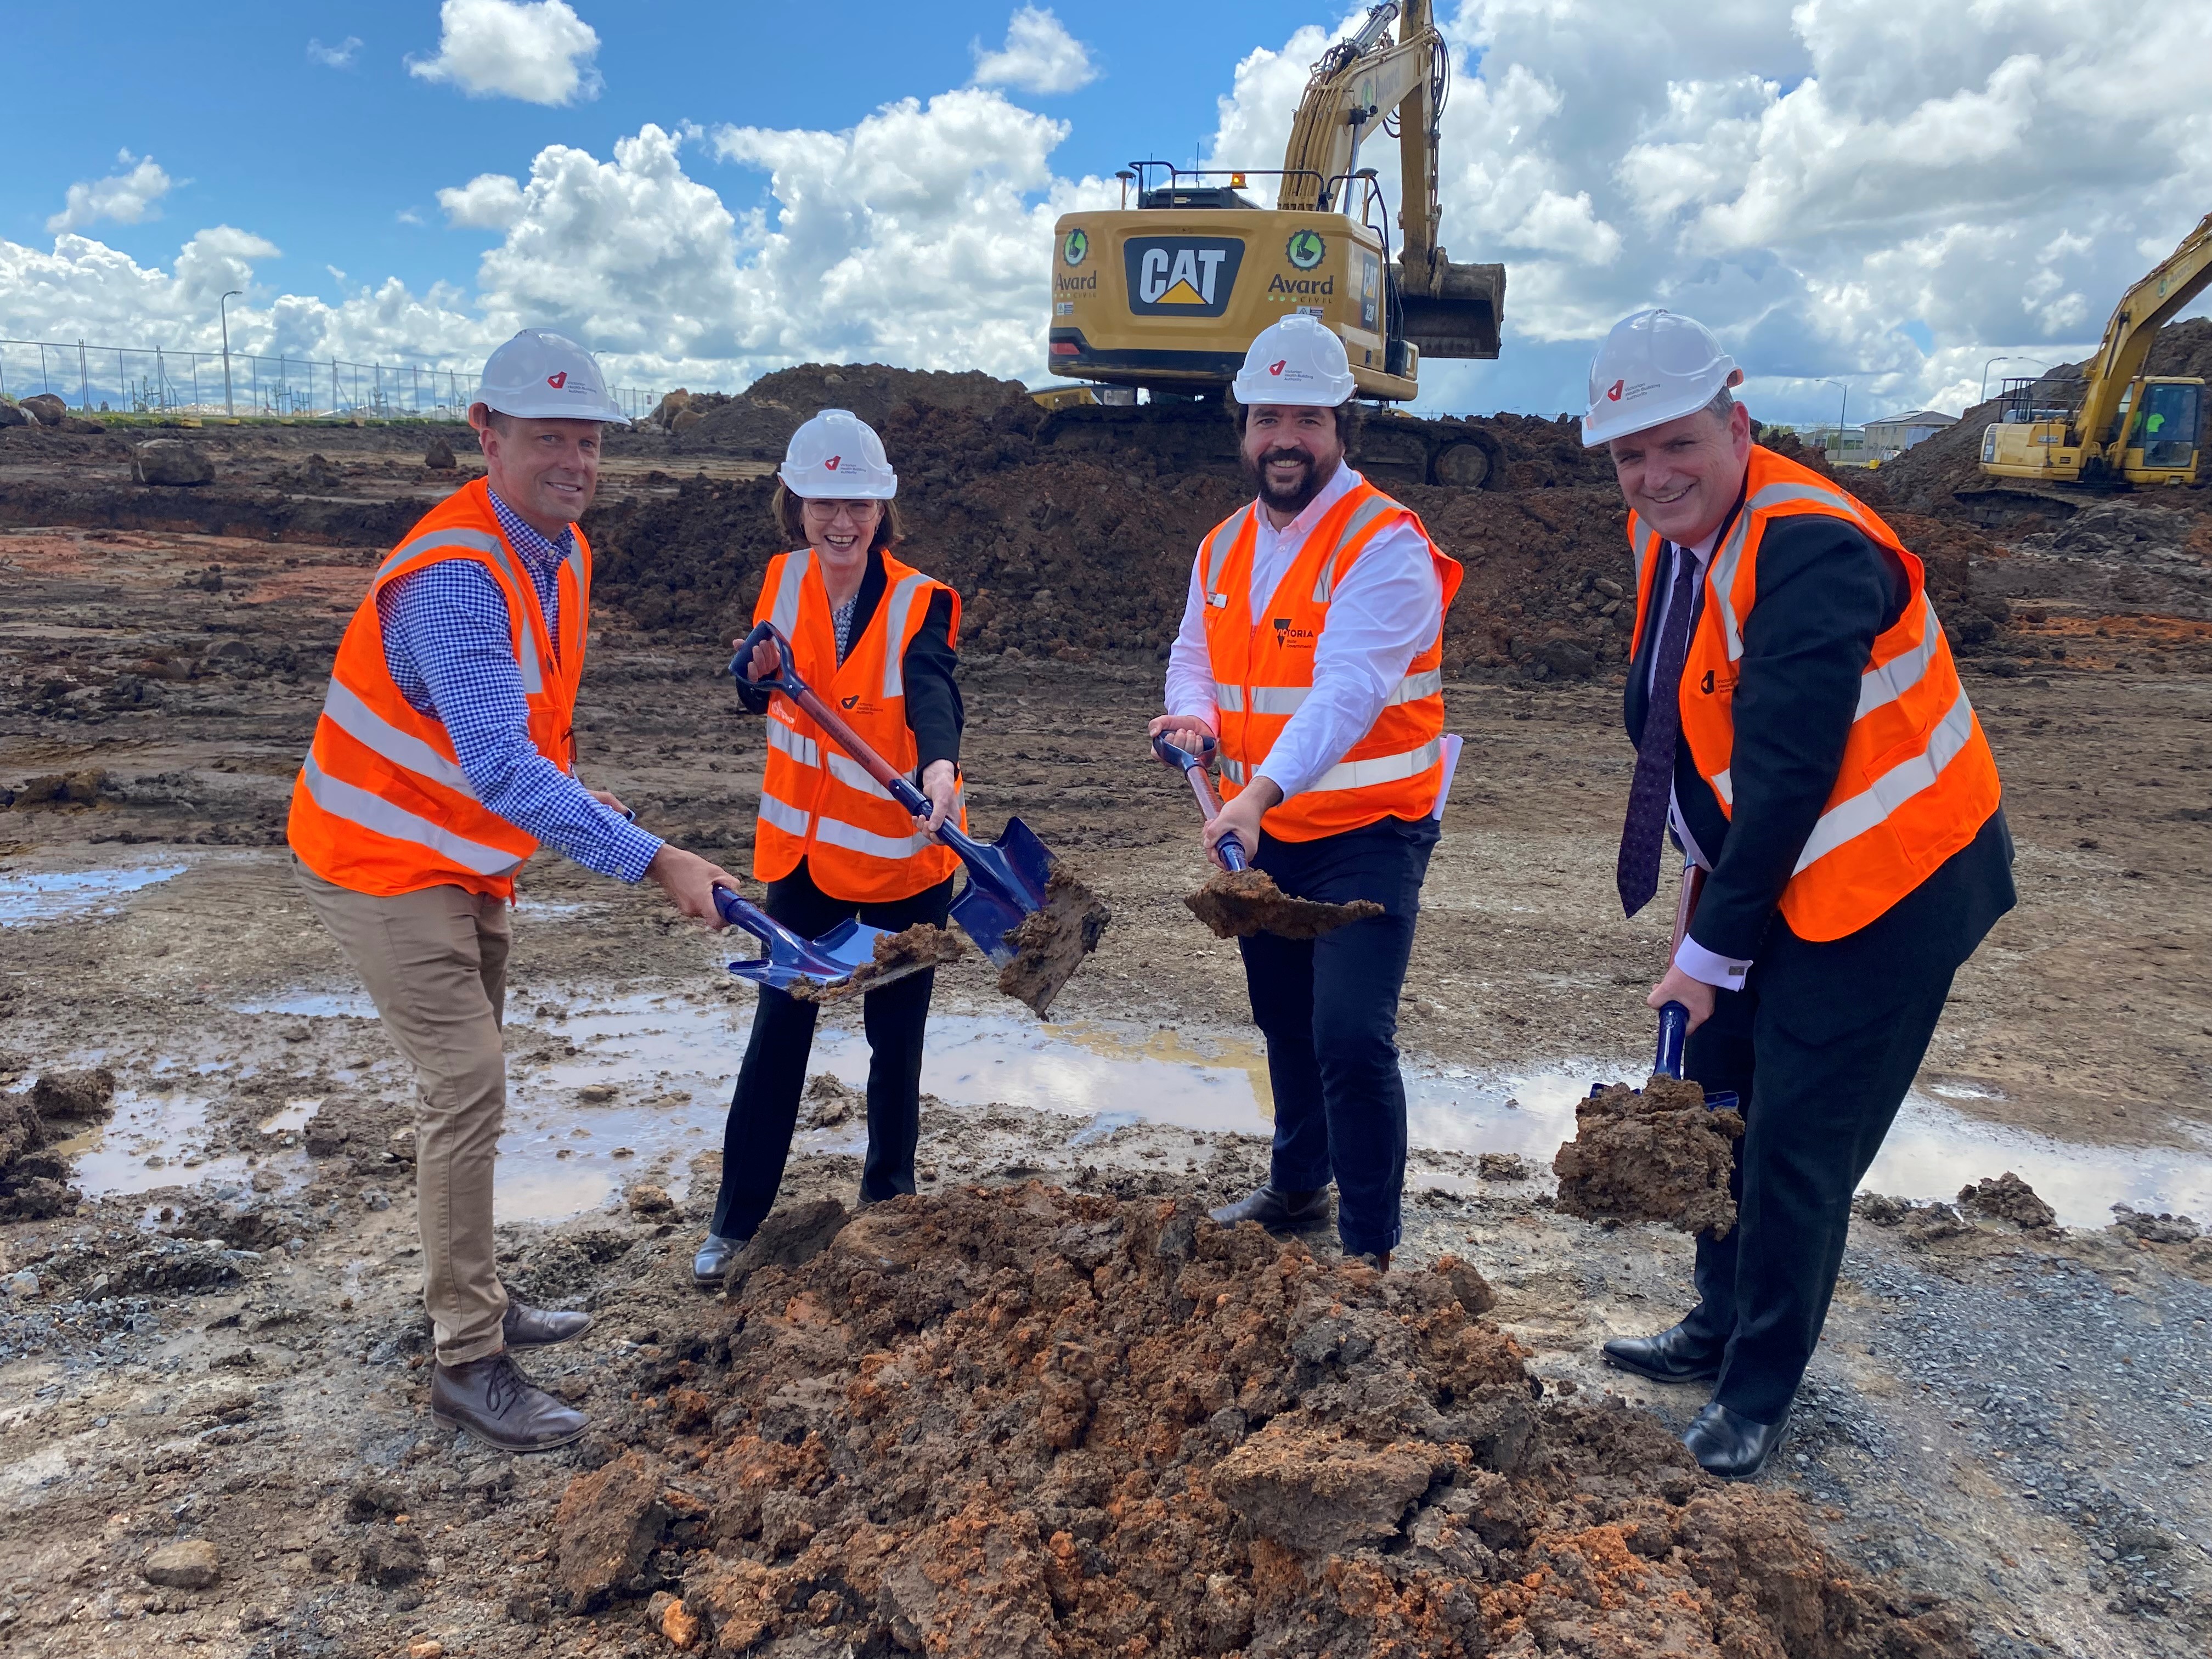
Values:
[(1238, 909), (1008, 880), (804, 967), (1673, 1018)]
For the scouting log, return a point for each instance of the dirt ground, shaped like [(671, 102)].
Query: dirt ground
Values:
[(2005, 1427)]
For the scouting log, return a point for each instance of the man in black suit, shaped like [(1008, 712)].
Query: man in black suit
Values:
[(1801, 730)]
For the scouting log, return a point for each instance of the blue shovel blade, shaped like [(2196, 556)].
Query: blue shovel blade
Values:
[(835, 956), (1006, 881)]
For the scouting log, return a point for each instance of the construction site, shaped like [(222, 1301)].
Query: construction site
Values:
[(1043, 1406)]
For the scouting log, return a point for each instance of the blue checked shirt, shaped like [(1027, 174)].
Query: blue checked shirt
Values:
[(447, 644)]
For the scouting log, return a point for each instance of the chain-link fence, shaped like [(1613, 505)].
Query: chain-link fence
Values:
[(98, 380)]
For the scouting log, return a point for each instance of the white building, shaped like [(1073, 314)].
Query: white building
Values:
[(1885, 440)]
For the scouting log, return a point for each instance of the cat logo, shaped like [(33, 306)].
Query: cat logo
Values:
[(1305, 249), (1181, 276), (1076, 248)]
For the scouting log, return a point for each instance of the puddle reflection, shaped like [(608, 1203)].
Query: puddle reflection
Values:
[(48, 896)]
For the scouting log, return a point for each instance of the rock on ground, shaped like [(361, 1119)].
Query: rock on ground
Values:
[(188, 1563), (171, 461)]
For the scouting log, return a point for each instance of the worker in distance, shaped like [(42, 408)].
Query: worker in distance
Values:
[(445, 754), (1800, 729), (879, 639), (1311, 651)]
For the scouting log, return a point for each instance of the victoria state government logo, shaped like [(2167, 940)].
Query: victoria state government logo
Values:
[(1076, 248), (1305, 249)]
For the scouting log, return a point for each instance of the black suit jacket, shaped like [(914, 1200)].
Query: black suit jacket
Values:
[(1825, 590)]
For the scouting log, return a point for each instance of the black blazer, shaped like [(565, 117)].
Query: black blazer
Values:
[(933, 710), (1825, 590)]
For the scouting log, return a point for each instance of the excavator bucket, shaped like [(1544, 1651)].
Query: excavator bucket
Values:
[(1463, 319)]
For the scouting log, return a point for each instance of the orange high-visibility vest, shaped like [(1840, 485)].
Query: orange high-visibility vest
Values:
[(381, 805), (1917, 780), (817, 802), (1263, 669)]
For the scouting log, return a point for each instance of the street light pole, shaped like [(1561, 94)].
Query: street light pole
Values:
[(222, 309), (1841, 412)]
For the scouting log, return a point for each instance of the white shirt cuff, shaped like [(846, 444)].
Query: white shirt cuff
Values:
[(1724, 972)]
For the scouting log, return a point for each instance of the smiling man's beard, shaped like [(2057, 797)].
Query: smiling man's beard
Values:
[(1292, 501)]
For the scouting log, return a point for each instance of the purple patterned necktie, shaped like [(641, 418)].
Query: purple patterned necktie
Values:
[(1636, 874)]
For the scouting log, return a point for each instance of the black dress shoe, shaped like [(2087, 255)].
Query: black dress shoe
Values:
[(1734, 1448), (526, 1326), (1291, 1212), (498, 1404), (1672, 1356), (710, 1266)]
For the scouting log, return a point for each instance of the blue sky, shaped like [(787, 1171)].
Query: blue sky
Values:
[(1886, 195)]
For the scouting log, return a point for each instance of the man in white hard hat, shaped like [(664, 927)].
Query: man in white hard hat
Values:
[(1311, 649), (444, 755), (1800, 727)]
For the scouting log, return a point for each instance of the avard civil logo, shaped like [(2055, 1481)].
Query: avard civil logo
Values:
[(1181, 276), (1305, 249), (1076, 248)]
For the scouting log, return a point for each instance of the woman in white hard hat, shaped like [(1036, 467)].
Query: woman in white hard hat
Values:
[(877, 638)]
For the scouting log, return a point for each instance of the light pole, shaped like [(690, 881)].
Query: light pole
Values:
[(222, 310), (1841, 412)]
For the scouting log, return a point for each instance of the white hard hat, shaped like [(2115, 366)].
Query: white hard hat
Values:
[(1297, 360), (540, 375), (837, 456), (1653, 367)]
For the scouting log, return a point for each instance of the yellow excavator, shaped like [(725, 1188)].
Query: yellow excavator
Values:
[(1167, 295), (2128, 428)]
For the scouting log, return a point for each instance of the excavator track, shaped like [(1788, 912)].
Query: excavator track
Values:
[(1197, 435)]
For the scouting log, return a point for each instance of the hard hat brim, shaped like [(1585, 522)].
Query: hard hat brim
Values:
[(817, 484)]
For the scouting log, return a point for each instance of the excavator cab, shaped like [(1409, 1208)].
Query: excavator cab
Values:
[(2163, 426)]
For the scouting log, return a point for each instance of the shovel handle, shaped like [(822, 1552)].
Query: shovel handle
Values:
[(743, 913), (1193, 766), (787, 680), (1674, 1033)]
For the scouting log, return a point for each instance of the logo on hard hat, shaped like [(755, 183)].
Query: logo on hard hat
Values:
[(1613, 392), (557, 381), (1276, 368), (830, 465)]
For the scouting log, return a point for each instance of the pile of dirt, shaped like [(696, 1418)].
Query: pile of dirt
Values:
[(896, 955), (1238, 904), (33, 1181), (1018, 1422), (760, 421), (2007, 1199), (1660, 1154), (1050, 943)]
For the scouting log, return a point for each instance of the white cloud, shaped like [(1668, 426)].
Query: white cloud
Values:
[(490, 200), (129, 198), (1039, 55), (540, 52), (337, 57)]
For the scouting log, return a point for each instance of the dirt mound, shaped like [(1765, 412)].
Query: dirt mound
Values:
[(1019, 1422), (761, 421), (33, 1181), (1050, 943), (1660, 1154), (1238, 904), (2006, 1199)]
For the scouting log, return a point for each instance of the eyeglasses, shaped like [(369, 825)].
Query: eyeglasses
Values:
[(863, 512)]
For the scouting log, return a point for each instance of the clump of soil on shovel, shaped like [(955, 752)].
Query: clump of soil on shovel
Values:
[(1658, 1154), (1050, 943), (1018, 1422), (897, 954), (1238, 904)]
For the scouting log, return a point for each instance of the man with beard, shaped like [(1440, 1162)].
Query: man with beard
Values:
[(1311, 650)]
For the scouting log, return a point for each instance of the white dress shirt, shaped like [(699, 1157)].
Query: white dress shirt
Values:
[(1691, 957), (1387, 609)]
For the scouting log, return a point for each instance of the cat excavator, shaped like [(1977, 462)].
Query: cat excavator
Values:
[(2128, 428), (1165, 296)]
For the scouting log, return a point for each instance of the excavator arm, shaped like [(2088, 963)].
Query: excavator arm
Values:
[(2144, 309), (1445, 310)]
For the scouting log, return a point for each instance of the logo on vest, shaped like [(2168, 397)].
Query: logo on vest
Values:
[(1707, 685), (1292, 638), (854, 701)]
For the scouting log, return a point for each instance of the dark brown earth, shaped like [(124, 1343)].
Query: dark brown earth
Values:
[(1238, 904), (2007, 1198), (1658, 1153), (912, 951), (1050, 943)]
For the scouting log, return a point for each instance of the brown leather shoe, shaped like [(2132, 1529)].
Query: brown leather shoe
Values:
[(496, 1402), (526, 1326)]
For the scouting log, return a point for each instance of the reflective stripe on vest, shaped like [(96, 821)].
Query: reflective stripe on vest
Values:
[(1220, 544), (372, 812), (344, 709), (419, 547), (1360, 773), (1361, 516), (1289, 699), (785, 615), (797, 745), (896, 604), (1849, 819), (1731, 550), (1893, 679)]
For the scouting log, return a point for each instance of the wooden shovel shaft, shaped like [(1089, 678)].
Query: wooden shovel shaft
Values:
[(1694, 883)]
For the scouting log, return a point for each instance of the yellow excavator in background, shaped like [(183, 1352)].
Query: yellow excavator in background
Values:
[(1166, 296), (2128, 428)]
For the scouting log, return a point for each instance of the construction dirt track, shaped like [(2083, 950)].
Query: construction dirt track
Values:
[(1043, 1408)]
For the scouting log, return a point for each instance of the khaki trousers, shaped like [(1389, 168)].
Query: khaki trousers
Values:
[(434, 962)]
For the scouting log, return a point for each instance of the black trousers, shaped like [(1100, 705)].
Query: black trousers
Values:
[(1328, 1008), (764, 1107), (1822, 1044)]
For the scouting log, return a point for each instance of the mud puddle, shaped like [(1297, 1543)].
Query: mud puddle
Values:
[(27, 896)]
